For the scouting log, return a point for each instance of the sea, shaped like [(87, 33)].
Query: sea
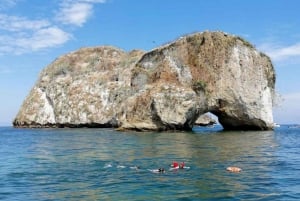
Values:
[(104, 164)]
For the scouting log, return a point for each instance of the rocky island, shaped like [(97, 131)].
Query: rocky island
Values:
[(167, 88)]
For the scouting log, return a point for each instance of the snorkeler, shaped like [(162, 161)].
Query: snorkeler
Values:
[(159, 170), (176, 165)]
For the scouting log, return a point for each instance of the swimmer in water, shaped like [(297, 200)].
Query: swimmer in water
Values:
[(233, 169), (161, 170), (176, 165)]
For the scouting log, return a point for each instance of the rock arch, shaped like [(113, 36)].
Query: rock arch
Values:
[(166, 88)]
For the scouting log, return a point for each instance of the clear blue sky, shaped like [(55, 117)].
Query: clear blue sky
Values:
[(35, 32)]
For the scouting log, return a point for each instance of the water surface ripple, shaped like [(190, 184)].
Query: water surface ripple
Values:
[(100, 164)]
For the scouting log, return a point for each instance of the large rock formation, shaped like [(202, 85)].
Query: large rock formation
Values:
[(166, 88)]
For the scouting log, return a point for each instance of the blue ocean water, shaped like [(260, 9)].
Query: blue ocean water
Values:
[(100, 164)]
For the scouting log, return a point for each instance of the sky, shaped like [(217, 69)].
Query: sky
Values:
[(33, 33)]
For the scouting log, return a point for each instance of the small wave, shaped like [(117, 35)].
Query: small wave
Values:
[(108, 165)]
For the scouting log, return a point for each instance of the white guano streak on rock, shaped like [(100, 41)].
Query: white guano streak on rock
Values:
[(47, 114), (266, 111), (148, 64), (83, 117), (240, 60), (104, 94), (184, 74)]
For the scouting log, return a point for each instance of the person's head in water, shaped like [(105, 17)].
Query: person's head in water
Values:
[(161, 170)]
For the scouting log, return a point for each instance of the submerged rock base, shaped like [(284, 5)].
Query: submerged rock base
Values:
[(167, 88)]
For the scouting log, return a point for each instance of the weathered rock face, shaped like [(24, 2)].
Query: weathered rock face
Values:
[(166, 88)]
